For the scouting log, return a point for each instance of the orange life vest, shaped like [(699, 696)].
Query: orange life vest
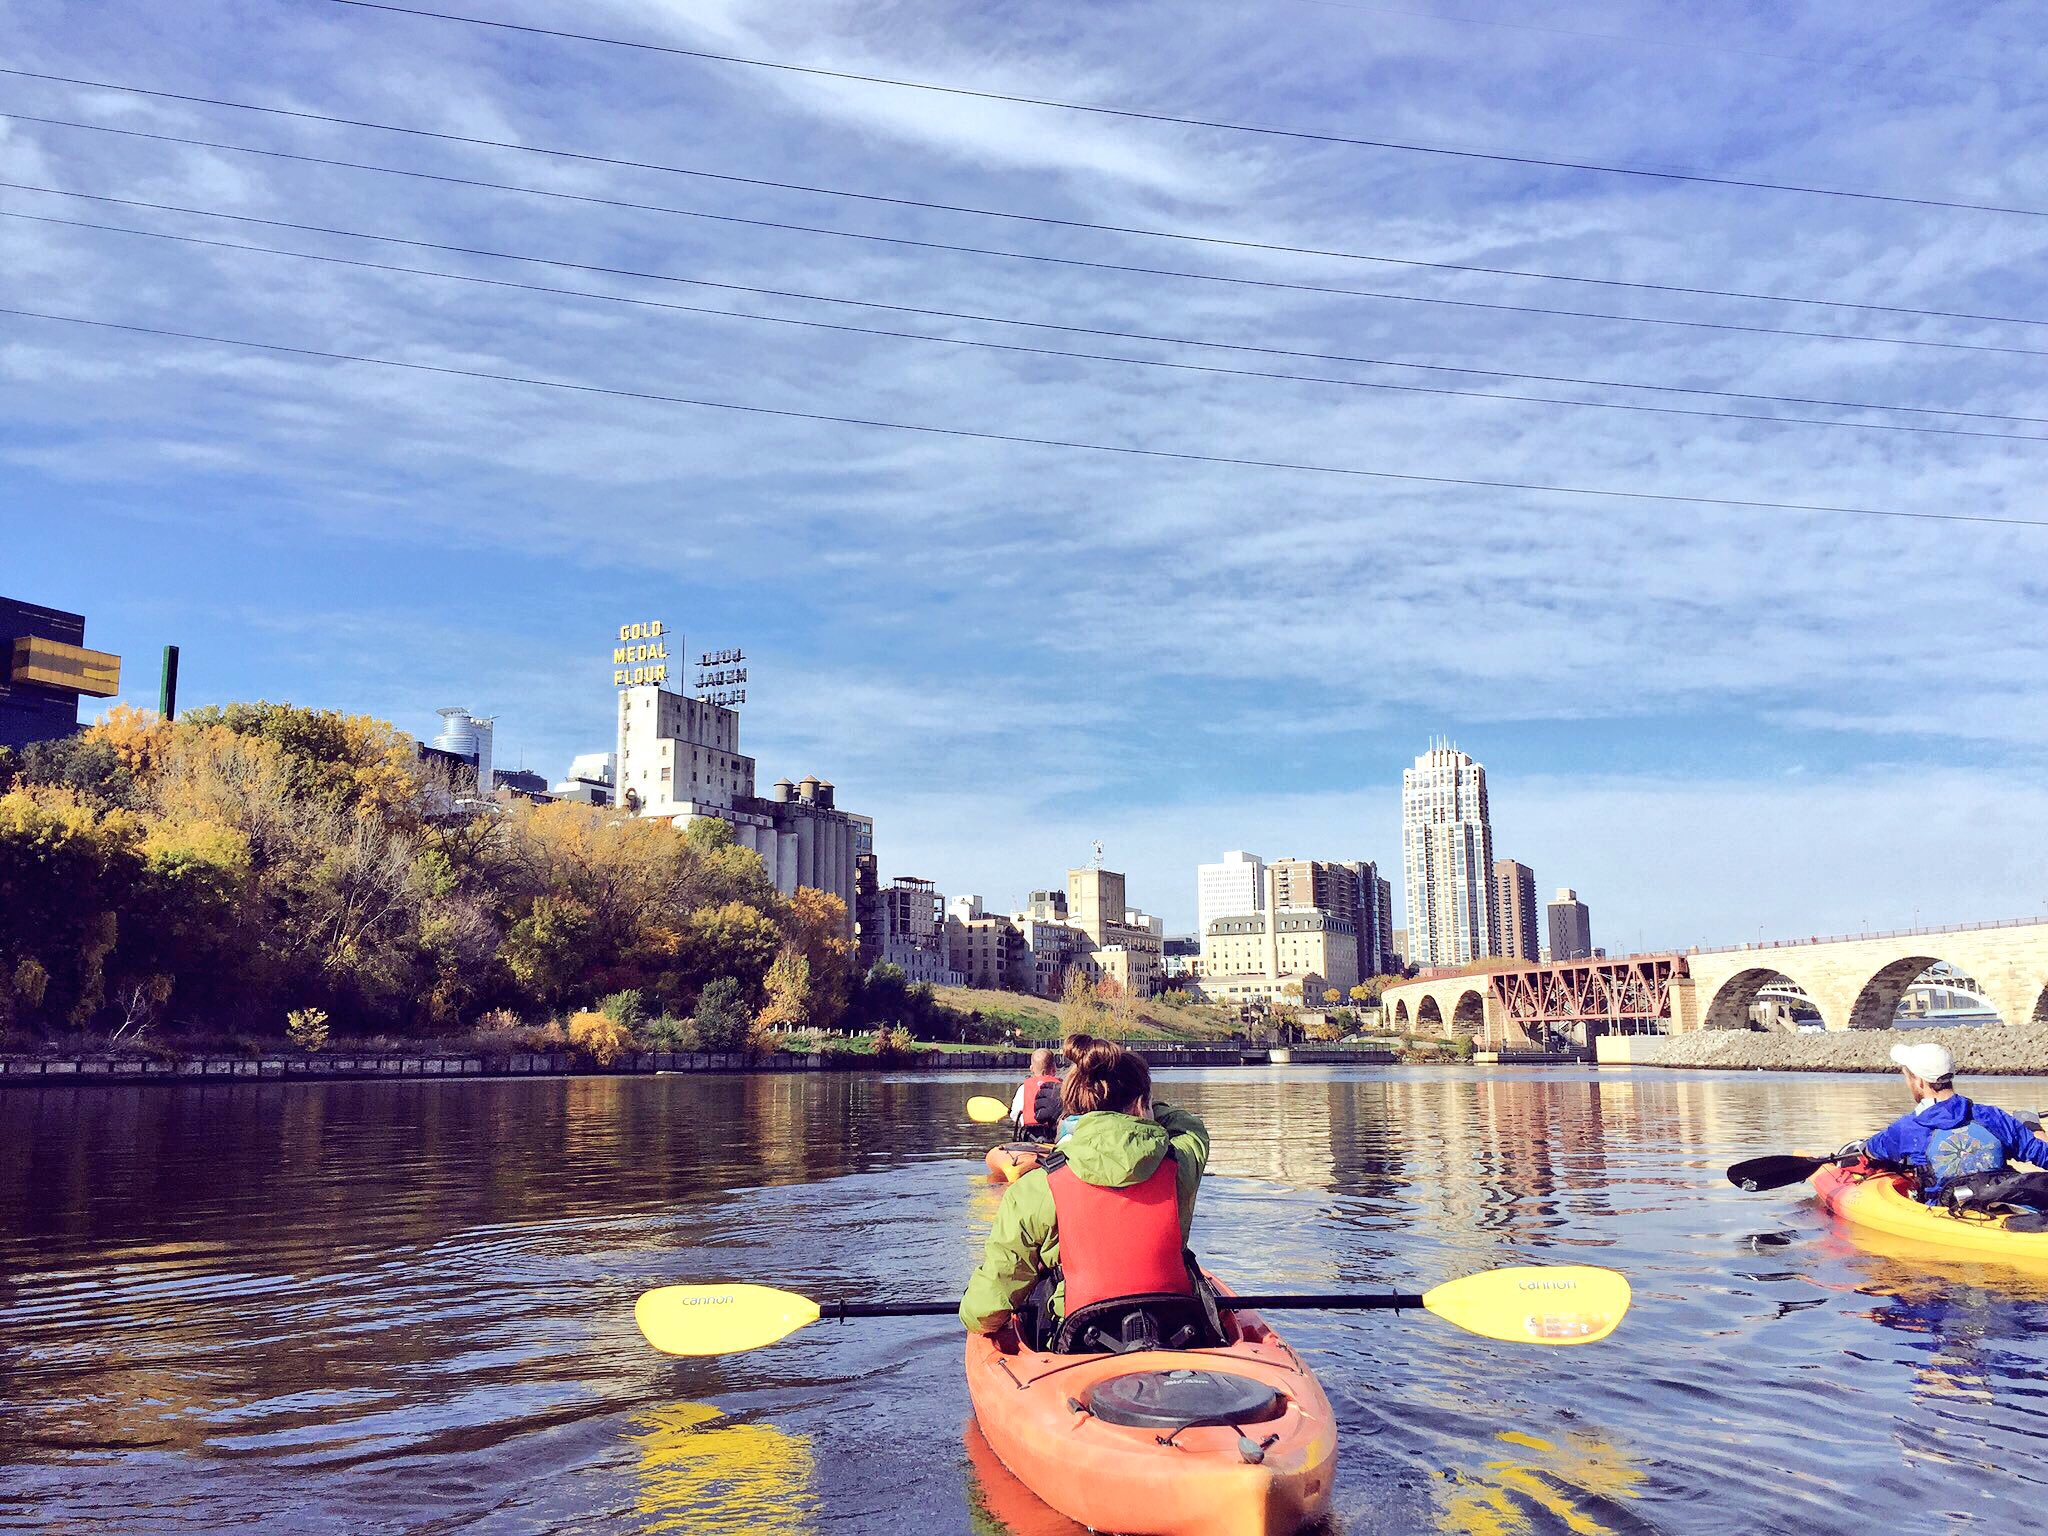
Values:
[(1119, 1242), (1032, 1086)]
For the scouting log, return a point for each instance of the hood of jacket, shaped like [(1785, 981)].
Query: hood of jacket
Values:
[(1943, 1113), (1114, 1150)]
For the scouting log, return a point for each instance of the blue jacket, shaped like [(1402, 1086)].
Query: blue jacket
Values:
[(1953, 1138)]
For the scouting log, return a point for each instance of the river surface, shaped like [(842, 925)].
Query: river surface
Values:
[(407, 1307)]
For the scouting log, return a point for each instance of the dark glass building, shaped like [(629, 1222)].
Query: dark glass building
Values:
[(44, 670)]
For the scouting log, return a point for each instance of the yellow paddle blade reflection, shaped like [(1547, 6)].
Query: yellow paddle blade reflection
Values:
[(699, 1472), (1535, 1304), (719, 1319), (983, 1110)]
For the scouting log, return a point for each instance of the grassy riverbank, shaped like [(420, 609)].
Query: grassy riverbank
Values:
[(1039, 1018)]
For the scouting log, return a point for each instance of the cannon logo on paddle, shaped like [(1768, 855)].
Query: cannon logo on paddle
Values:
[(709, 1301), (1549, 1285)]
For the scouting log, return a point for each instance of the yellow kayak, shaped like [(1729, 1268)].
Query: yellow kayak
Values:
[(1869, 1197)]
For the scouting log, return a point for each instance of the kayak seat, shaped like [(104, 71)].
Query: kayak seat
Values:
[(1129, 1324), (1179, 1400)]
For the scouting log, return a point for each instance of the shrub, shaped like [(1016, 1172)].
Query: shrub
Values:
[(602, 1038), (545, 1037), (497, 1021), (307, 1028), (626, 1009), (670, 1033), (722, 1016)]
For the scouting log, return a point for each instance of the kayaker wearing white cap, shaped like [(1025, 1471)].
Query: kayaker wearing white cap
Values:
[(1954, 1145)]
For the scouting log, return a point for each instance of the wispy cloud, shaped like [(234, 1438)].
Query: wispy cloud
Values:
[(1178, 658)]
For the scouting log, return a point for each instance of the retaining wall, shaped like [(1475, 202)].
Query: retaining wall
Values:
[(47, 1071), (1993, 1049)]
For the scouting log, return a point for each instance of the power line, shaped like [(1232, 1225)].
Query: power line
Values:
[(1001, 346), (1333, 290), (1193, 237), (1022, 440), (1138, 115), (931, 312)]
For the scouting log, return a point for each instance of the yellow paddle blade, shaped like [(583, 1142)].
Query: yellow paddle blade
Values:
[(1535, 1304), (983, 1110), (719, 1319)]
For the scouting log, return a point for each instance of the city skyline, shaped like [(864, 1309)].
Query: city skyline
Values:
[(1001, 651)]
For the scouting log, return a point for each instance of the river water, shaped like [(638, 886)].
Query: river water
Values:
[(407, 1307)]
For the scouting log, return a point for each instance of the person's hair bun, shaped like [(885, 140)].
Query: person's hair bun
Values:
[(1105, 1076)]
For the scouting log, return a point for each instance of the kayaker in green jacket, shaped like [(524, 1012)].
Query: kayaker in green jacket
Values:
[(1126, 1177)]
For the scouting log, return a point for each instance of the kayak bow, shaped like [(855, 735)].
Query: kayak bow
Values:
[(1261, 1464)]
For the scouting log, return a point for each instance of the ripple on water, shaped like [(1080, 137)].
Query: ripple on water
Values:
[(407, 1308)]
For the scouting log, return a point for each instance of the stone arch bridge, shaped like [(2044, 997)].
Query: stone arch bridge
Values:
[(1854, 981)]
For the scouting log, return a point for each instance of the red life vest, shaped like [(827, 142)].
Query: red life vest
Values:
[(1032, 1085), (1119, 1242)]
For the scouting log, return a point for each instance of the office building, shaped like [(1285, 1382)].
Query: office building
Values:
[(680, 758), (1571, 927), (1514, 910), (1351, 890), (469, 738), (1400, 955), (590, 780), (1231, 888), (1129, 955), (45, 670), (1054, 946), (987, 948), (1181, 955), (914, 937), (1447, 858), (1278, 954), (1377, 955), (522, 783)]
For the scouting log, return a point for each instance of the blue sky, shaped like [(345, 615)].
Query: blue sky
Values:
[(1712, 722)]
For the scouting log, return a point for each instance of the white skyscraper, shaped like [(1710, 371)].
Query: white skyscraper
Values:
[(1234, 888), (1447, 857)]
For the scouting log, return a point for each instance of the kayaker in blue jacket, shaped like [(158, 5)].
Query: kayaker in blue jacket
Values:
[(1954, 1145)]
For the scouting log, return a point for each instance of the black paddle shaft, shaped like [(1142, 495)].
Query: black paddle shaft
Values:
[(1331, 1301)]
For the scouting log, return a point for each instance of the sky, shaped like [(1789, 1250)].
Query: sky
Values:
[(1716, 722)]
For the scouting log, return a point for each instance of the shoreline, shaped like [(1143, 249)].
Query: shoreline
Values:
[(1986, 1050), (343, 1066)]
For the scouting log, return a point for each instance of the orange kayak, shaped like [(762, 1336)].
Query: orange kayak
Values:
[(1012, 1160), (1267, 1474)]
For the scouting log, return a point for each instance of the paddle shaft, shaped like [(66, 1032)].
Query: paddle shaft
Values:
[(1333, 1301)]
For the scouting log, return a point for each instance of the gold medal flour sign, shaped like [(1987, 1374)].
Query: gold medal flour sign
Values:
[(641, 656)]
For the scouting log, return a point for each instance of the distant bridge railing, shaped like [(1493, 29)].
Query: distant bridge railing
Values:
[(1851, 938)]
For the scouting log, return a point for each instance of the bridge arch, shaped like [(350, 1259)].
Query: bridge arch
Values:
[(1468, 1015), (1401, 1017), (1429, 1015), (1729, 1007), (1877, 1003)]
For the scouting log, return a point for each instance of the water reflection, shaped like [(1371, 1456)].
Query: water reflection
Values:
[(407, 1307), (701, 1472), (1534, 1485)]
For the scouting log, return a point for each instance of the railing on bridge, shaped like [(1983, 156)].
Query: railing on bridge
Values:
[(1886, 933)]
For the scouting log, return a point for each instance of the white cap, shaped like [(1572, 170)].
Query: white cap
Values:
[(1925, 1059)]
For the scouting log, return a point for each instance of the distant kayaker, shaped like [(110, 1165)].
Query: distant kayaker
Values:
[(1958, 1148), (1089, 1250), (1036, 1109)]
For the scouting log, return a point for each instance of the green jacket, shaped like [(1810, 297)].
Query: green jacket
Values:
[(1104, 1148)]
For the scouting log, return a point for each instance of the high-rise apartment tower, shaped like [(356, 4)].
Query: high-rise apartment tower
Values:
[(1447, 857)]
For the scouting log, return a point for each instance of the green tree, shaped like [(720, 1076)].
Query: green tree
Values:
[(544, 948), (722, 1016)]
